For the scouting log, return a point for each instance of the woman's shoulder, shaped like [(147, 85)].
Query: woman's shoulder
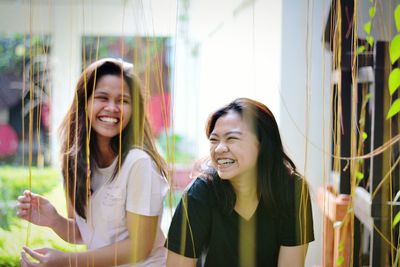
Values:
[(200, 185), (293, 177), (297, 179), (199, 189), (298, 187), (136, 154)]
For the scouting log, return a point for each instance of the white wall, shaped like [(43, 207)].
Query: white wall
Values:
[(239, 55), (304, 102)]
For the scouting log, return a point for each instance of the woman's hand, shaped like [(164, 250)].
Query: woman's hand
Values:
[(44, 257), (36, 209)]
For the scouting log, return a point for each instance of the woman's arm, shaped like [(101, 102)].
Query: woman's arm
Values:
[(296, 230), (292, 256), (67, 229), (174, 259), (38, 210), (142, 234), (190, 227)]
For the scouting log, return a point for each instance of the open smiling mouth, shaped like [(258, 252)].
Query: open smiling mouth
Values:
[(109, 120), (225, 162)]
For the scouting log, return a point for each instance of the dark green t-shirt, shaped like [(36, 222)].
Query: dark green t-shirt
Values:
[(199, 229)]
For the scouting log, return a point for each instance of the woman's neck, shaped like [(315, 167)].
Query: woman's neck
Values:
[(105, 155), (247, 197), (245, 186)]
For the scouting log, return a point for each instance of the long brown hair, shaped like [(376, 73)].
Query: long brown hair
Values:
[(78, 142)]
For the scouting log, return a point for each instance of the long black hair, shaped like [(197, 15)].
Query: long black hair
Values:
[(274, 167)]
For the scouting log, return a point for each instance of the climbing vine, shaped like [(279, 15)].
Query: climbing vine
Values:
[(394, 85), (367, 29), (394, 76)]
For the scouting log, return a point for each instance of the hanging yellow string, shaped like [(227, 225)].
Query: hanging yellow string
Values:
[(30, 113), (353, 137), (23, 101), (170, 166), (303, 194), (76, 157), (324, 171), (337, 51), (42, 76), (120, 125)]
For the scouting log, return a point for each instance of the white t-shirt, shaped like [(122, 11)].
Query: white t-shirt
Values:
[(138, 188)]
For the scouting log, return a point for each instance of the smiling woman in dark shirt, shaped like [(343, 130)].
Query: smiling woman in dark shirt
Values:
[(249, 207)]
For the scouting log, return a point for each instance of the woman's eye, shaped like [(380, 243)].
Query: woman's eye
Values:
[(232, 138), (212, 140), (101, 98)]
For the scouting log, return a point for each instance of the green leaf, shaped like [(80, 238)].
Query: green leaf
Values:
[(370, 40), (364, 135), (367, 27), (396, 219), (394, 49), (394, 109), (360, 49), (397, 17), (394, 80), (359, 176), (372, 11), (340, 261)]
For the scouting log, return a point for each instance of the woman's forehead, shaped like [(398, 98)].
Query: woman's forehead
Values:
[(231, 121), (112, 84), (235, 120)]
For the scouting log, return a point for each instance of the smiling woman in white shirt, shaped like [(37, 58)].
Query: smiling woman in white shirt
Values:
[(114, 178)]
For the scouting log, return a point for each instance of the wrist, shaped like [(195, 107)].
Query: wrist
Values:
[(68, 260), (74, 259), (55, 221)]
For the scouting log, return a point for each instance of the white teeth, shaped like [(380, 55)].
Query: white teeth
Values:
[(225, 161), (108, 119)]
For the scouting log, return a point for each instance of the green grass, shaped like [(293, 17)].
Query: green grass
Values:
[(13, 181), (11, 241)]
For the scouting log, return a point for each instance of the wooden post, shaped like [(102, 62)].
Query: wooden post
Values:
[(337, 227)]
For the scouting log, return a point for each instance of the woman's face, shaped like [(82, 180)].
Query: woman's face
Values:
[(107, 105), (233, 147)]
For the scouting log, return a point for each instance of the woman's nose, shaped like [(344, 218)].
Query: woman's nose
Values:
[(112, 106), (221, 147)]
